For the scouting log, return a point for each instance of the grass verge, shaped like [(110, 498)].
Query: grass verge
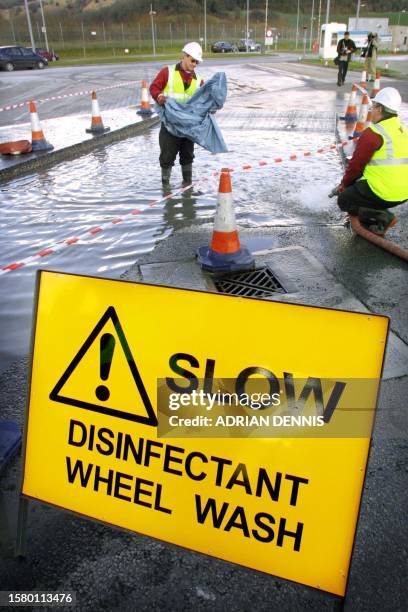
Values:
[(358, 66)]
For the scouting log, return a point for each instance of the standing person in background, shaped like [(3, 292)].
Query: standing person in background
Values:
[(179, 81), (371, 56), (345, 48)]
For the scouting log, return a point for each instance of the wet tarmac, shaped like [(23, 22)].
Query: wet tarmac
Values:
[(42, 209)]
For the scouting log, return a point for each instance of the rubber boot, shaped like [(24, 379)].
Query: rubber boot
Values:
[(377, 221), (187, 174), (369, 216), (166, 174)]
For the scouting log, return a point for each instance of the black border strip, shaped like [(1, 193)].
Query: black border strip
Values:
[(224, 297)]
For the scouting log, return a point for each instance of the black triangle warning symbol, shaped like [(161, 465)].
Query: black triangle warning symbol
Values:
[(103, 376)]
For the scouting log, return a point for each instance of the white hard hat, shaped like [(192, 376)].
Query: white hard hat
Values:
[(390, 98), (194, 49)]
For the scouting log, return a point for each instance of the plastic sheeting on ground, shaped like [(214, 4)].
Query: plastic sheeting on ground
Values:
[(194, 119)]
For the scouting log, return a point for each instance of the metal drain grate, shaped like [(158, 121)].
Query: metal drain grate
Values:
[(254, 283)]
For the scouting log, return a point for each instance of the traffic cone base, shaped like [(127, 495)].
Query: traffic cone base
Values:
[(41, 146), (144, 111), (97, 130), (211, 261), (225, 253), (144, 103), (38, 142), (97, 126)]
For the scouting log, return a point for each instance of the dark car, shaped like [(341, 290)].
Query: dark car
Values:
[(15, 57), (249, 45), (222, 47), (50, 55)]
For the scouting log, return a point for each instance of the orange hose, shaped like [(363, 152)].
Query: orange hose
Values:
[(378, 240)]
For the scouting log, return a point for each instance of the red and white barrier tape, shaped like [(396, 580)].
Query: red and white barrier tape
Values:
[(292, 157), (68, 95), (55, 248)]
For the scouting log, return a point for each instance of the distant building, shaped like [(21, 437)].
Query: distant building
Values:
[(372, 24), (376, 25)]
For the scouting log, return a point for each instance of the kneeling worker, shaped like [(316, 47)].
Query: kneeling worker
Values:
[(179, 82), (376, 178)]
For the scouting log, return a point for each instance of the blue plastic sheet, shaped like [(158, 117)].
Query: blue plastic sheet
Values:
[(194, 119)]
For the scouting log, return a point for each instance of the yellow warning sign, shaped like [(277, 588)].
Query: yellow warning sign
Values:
[(104, 349)]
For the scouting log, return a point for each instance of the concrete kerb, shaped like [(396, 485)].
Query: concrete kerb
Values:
[(49, 159)]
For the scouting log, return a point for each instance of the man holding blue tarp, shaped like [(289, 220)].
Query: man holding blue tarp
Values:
[(178, 82), (185, 106)]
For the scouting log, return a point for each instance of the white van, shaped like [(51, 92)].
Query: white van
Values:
[(329, 37), (331, 33)]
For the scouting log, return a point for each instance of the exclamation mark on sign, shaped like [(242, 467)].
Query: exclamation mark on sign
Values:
[(107, 347)]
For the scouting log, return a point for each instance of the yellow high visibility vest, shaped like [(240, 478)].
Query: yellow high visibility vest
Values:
[(175, 86), (387, 170)]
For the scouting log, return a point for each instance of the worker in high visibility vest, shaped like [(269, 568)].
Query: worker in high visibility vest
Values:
[(376, 178), (179, 81)]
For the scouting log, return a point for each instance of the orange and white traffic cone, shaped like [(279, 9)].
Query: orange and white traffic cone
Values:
[(38, 142), (97, 126), (363, 81), (225, 253), (362, 117), (144, 103), (376, 86), (350, 115)]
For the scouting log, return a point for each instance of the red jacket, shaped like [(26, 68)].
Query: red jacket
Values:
[(368, 143)]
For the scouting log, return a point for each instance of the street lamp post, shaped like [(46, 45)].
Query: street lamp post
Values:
[(358, 13), (151, 13), (205, 25), (62, 36), (318, 21), (297, 24), (30, 29), (266, 21), (44, 29), (12, 27), (247, 28), (327, 11), (311, 24), (83, 38), (304, 40)]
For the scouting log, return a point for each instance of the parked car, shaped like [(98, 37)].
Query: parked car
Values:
[(222, 47), (249, 45), (14, 57), (50, 55)]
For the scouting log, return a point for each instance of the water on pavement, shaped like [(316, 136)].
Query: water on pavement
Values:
[(72, 197)]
